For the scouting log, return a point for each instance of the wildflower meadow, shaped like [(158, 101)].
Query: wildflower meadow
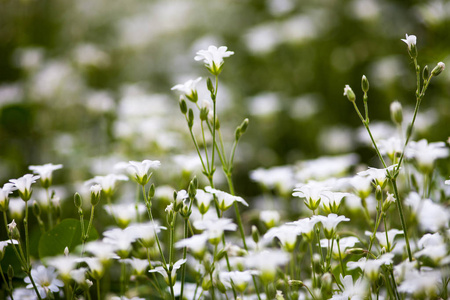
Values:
[(181, 194)]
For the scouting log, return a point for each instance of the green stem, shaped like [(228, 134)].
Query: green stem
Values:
[(402, 218), (50, 209), (214, 119), (28, 272), (91, 219), (98, 289), (27, 239), (206, 148), (340, 258), (183, 270), (6, 282), (312, 264)]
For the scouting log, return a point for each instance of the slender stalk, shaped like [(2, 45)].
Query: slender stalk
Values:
[(6, 282), (183, 270), (312, 264), (28, 272), (340, 259), (402, 218), (27, 238), (98, 289), (50, 209), (214, 120), (205, 147)]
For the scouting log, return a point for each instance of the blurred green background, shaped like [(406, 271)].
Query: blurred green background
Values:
[(87, 83)]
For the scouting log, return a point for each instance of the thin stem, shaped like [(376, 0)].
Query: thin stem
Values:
[(91, 219), (402, 218), (6, 282), (340, 258), (50, 207), (34, 284), (206, 148), (183, 270), (312, 264), (98, 289), (27, 239), (214, 120)]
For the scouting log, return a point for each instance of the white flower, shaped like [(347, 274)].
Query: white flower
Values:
[(410, 40), (23, 184), (107, 182), (96, 189), (196, 244), (266, 262), (306, 226), (95, 265), (7, 189), (64, 264), (433, 246), (312, 194), (101, 250), (12, 225), (121, 239), (213, 58), (344, 243), (79, 275), (203, 200), (45, 171), (330, 223), (425, 154), (240, 279), (378, 175), (3, 244), (145, 232), (287, 234), (189, 89), (269, 217), (124, 213), (139, 265), (355, 291), (386, 239), (140, 171), (331, 201), (421, 284), (390, 147), (225, 200), (214, 228), (431, 216), (362, 186), (173, 274), (45, 280), (371, 267)]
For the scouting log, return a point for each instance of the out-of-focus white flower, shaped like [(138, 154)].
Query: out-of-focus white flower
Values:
[(196, 244), (286, 234), (45, 280), (139, 266), (390, 147), (362, 186), (425, 154), (344, 243), (306, 226), (23, 184), (24, 294), (3, 245), (430, 215), (312, 194), (173, 274), (433, 246), (88, 55), (108, 182), (270, 218), (7, 189), (225, 200), (101, 250), (280, 178), (331, 201), (213, 58), (189, 89), (140, 171), (386, 239), (63, 264), (357, 290), (16, 208), (145, 232), (95, 265), (121, 239), (325, 167), (214, 228), (421, 284), (371, 267), (124, 213), (45, 172), (240, 279), (378, 175), (410, 40), (266, 262), (264, 105)]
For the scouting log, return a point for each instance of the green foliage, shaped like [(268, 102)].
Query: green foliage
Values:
[(65, 234)]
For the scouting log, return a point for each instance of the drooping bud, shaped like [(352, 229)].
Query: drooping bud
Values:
[(255, 234), (190, 118), (209, 85), (78, 201), (396, 112), (438, 69), (365, 84)]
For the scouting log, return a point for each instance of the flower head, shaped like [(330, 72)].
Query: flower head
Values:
[(7, 189), (189, 89), (140, 171), (170, 281), (107, 182), (45, 280), (45, 171), (410, 40), (348, 92), (213, 58), (23, 184), (330, 223), (225, 200)]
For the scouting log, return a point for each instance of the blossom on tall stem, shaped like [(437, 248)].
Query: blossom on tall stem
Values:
[(173, 274), (45, 280), (140, 171), (189, 89), (107, 182), (7, 189), (224, 199), (213, 58), (46, 172), (23, 184), (330, 223)]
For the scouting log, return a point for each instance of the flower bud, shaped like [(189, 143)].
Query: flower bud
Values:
[(78, 201), (190, 118), (151, 192), (206, 284), (296, 283), (36, 209), (365, 84), (220, 286), (209, 85), (349, 93), (438, 69), (425, 73), (183, 106), (204, 112), (10, 272), (96, 191), (255, 234), (396, 112), (379, 194)]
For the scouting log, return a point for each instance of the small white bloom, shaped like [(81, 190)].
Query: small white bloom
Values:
[(173, 274), (145, 232), (330, 223), (357, 290), (140, 171), (107, 182), (410, 40), (240, 279), (196, 244), (124, 213), (214, 228), (287, 234), (386, 239), (203, 200), (23, 184), (213, 58), (348, 92), (45, 171), (269, 217), (121, 239), (45, 280), (378, 175), (12, 225), (306, 226), (266, 262), (7, 189), (63, 264), (225, 200), (189, 89), (139, 265)]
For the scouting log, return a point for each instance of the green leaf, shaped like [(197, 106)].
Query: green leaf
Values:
[(65, 234)]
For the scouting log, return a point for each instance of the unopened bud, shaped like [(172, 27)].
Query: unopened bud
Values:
[(296, 283), (425, 73), (206, 284), (255, 234), (10, 272), (204, 112), (183, 106), (96, 191), (356, 251), (349, 93), (36, 209), (438, 69), (78, 201), (396, 112), (151, 191), (209, 85), (244, 126), (190, 118), (365, 84), (379, 193)]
